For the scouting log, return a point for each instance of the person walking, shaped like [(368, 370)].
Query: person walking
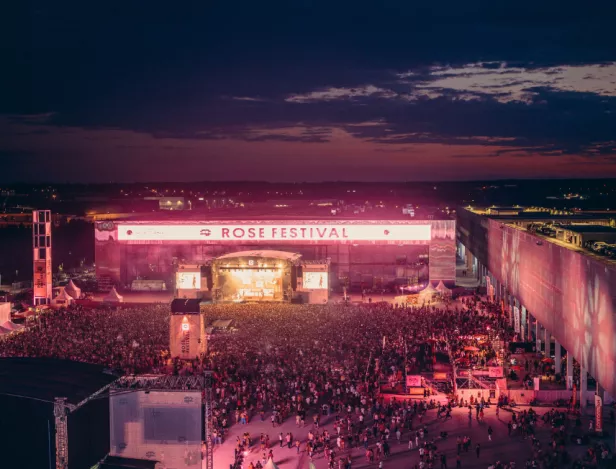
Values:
[(490, 431), (477, 450)]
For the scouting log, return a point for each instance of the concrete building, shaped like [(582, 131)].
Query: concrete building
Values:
[(554, 290)]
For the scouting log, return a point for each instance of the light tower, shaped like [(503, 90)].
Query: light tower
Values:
[(41, 248)]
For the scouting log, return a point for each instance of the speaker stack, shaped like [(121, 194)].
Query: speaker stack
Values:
[(206, 271)]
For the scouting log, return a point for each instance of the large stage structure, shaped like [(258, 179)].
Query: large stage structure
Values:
[(361, 253), (163, 418), (254, 276)]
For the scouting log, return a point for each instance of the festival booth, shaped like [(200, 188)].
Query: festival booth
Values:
[(407, 299), (256, 276), (113, 297), (427, 294), (73, 290), (62, 299), (443, 290)]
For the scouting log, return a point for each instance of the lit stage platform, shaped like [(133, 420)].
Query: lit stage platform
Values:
[(256, 276)]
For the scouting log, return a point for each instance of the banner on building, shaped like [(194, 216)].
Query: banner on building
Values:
[(495, 371), (598, 414), (536, 382), (42, 278), (413, 381), (185, 336), (262, 232), (516, 319)]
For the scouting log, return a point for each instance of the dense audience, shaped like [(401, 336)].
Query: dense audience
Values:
[(303, 362)]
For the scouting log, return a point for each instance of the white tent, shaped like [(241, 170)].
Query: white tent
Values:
[(113, 297), (63, 298), (73, 290), (12, 326), (429, 290), (427, 294), (442, 289), (270, 465)]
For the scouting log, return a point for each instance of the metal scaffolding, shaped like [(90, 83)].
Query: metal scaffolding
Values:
[(158, 383), (130, 384), (60, 412), (207, 401)]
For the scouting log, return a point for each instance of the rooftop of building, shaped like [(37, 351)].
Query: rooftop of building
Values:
[(590, 229), (540, 213), (308, 213)]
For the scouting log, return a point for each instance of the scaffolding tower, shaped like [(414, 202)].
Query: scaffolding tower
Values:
[(60, 413), (41, 254)]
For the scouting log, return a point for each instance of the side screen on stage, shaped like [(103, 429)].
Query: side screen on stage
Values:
[(315, 280), (188, 280)]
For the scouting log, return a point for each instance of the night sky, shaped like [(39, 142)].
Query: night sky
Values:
[(306, 90)]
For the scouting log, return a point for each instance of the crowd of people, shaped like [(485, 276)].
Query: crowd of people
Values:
[(126, 340), (282, 361)]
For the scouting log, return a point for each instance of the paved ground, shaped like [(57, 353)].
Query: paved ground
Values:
[(469, 280), (502, 447)]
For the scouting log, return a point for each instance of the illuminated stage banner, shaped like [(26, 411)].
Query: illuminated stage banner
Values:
[(413, 381), (311, 233)]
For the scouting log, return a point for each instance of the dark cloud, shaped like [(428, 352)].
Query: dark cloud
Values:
[(226, 70)]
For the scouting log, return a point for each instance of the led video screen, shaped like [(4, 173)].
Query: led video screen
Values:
[(315, 280), (188, 280)]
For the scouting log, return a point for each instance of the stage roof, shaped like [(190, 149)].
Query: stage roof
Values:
[(284, 255), (48, 378), (249, 215)]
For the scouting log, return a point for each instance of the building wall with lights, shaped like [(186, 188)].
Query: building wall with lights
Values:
[(570, 293)]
